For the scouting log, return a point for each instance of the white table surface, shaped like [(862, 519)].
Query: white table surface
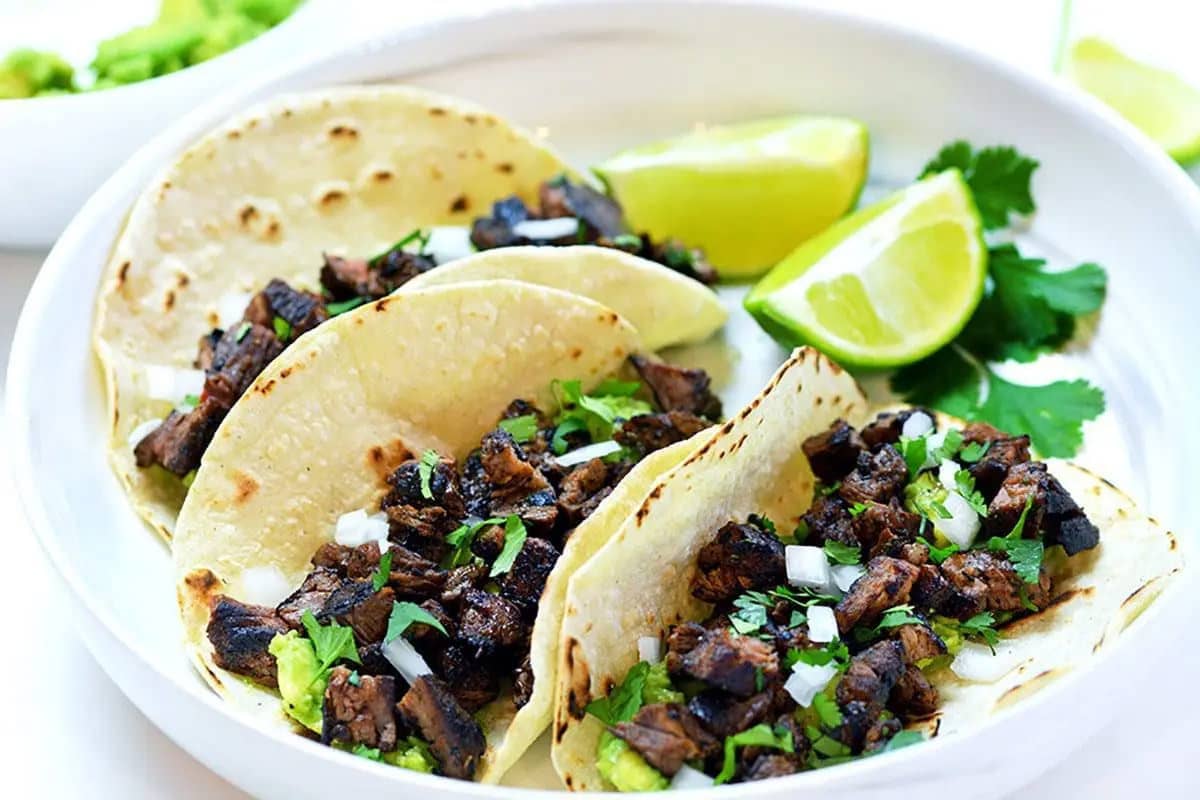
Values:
[(71, 733)]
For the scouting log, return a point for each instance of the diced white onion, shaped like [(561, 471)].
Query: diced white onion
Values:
[(650, 649), (231, 307), (543, 229), (807, 681), (142, 431), (918, 424), (946, 473), (449, 242), (405, 658), (587, 453), (688, 778), (976, 663), (844, 575), (963, 524), (822, 624), (933, 443), (264, 586), (807, 567), (171, 383), (359, 527)]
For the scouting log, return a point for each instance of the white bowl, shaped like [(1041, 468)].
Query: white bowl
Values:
[(57, 150), (600, 76)]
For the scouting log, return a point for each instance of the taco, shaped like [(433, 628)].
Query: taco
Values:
[(376, 546), (802, 591), (300, 210)]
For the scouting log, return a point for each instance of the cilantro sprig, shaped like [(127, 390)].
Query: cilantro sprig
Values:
[(844, 554), (597, 413), (761, 735), (406, 614), (1025, 554), (522, 428), (999, 178), (461, 539), (429, 460), (514, 539), (379, 578), (624, 701), (331, 642)]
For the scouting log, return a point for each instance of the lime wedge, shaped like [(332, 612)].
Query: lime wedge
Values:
[(1158, 102), (747, 194), (885, 286)]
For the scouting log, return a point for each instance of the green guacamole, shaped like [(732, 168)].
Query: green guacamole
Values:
[(186, 32)]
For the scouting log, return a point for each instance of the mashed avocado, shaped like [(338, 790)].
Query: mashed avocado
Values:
[(186, 32), (301, 684), (625, 769), (658, 688), (412, 754)]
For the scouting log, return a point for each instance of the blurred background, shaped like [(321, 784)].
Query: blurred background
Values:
[(108, 74)]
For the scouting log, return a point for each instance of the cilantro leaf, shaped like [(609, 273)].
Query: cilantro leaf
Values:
[(355, 679), (330, 642), (597, 413), (429, 460), (522, 428), (242, 330), (980, 627), (335, 309), (845, 554), (1025, 554), (965, 484), (761, 735), (369, 753), (514, 540), (901, 740), (836, 652), (405, 614), (827, 710), (897, 617), (999, 178), (1052, 414), (190, 401), (938, 554), (764, 523), (972, 452), (624, 701), (858, 508), (283, 328), (418, 235), (461, 539), (914, 451), (751, 614), (380, 577)]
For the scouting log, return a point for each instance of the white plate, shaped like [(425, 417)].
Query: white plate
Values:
[(599, 76), (58, 150)]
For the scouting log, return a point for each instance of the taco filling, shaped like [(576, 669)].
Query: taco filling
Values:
[(824, 643), (420, 612), (229, 359)]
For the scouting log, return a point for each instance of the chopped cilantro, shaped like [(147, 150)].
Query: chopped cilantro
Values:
[(461, 539), (901, 740), (826, 491), (242, 330), (751, 613), (335, 309), (380, 577), (980, 627), (514, 540), (948, 449), (405, 614), (190, 401), (369, 753), (761, 735), (522, 428), (826, 750), (965, 484), (623, 701), (999, 178), (330, 642), (418, 235), (914, 451), (429, 460), (940, 509), (764, 523), (797, 619), (836, 652), (897, 617), (800, 532), (972, 452), (597, 413), (283, 328), (355, 679), (627, 241), (1025, 554), (858, 508), (938, 554), (844, 554), (827, 710), (677, 257)]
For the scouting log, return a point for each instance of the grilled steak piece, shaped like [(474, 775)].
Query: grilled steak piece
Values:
[(989, 580), (206, 350), (429, 708), (523, 584), (238, 359), (582, 489), (411, 575), (374, 662), (303, 311), (772, 765), (880, 732), (646, 433), (408, 490), (878, 476), (357, 604), (459, 579), (828, 520), (421, 530), (397, 267), (764, 760), (677, 388), (1003, 452), (723, 715), (887, 583), (523, 683), (517, 487), (334, 556), (600, 215), (179, 442), (913, 695), (919, 642), (240, 634), (932, 591), (360, 714), (1051, 508), (886, 427), (885, 528), (423, 634), (497, 230), (666, 735), (740, 558), (489, 625), (474, 684), (681, 640), (737, 664), (311, 596), (872, 674), (833, 453)]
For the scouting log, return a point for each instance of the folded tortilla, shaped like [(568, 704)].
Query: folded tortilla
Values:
[(638, 584), (328, 420)]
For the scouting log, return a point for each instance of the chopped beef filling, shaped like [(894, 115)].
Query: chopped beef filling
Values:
[(679, 389), (733, 667), (599, 221), (649, 432), (361, 711), (430, 708), (240, 634)]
